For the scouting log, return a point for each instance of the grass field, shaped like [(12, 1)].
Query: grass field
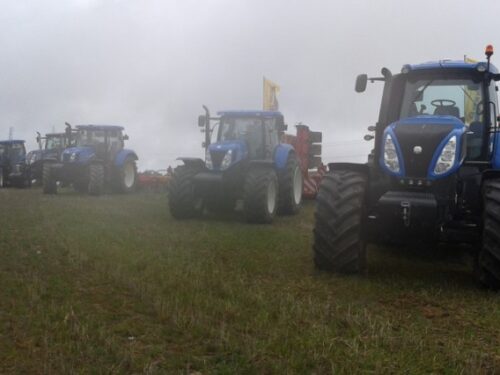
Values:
[(114, 285)]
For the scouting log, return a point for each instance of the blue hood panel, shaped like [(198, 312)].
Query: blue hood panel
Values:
[(218, 149), (84, 154), (430, 133)]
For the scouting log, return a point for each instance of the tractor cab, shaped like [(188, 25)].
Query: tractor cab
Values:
[(434, 118), (103, 142), (243, 136), (12, 163)]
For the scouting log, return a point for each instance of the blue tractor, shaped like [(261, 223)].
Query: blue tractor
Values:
[(13, 169), (97, 161), (247, 162), (50, 147), (434, 174)]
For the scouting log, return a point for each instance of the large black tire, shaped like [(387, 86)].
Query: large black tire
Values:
[(48, 179), (126, 178), (260, 195), (290, 187), (96, 179), (183, 202), (338, 243), (488, 259), (2, 181)]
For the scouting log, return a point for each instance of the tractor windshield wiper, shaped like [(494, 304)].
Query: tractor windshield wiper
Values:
[(419, 92)]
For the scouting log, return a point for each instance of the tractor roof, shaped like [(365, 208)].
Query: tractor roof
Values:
[(99, 127), (450, 64), (11, 142), (265, 114)]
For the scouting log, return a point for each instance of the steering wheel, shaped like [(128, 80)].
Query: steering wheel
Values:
[(443, 103)]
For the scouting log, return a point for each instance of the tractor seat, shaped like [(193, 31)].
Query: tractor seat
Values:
[(447, 111)]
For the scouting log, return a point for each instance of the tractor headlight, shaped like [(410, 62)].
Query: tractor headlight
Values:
[(208, 160), (228, 159), (447, 158), (73, 157), (391, 159)]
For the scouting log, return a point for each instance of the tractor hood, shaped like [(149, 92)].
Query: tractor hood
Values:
[(222, 155), (37, 155), (423, 148), (80, 155)]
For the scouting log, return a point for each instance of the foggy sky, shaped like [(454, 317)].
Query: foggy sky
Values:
[(149, 65)]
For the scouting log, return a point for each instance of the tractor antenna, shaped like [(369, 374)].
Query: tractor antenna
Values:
[(11, 133)]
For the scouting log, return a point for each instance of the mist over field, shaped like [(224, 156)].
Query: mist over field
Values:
[(150, 65)]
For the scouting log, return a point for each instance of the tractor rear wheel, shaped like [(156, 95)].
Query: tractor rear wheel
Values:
[(338, 244), (96, 179), (290, 187), (260, 195), (48, 179), (183, 202), (126, 177), (488, 259)]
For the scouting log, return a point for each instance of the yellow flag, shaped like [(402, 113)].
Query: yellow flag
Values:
[(472, 98), (271, 90)]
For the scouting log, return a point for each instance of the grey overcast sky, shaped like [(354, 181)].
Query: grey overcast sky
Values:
[(149, 65)]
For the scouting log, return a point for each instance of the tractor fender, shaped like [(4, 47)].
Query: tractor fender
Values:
[(195, 162), (123, 155), (488, 174), (355, 167), (281, 155)]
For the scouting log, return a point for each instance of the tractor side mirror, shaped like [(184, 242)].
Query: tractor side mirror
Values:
[(124, 137), (202, 119), (38, 137), (372, 128), (280, 125), (361, 81), (368, 137)]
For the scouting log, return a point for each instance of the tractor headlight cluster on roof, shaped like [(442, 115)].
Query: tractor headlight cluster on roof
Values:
[(446, 159), (391, 159), (227, 160)]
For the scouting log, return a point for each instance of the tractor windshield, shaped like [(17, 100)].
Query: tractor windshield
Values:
[(248, 129), (54, 142), (90, 137), (461, 98)]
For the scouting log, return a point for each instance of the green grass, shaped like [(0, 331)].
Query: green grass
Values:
[(114, 285)]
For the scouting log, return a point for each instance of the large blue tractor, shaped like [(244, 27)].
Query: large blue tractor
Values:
[(98, 160), (13, 170), (434, 174), (50, 147), (247, 162)]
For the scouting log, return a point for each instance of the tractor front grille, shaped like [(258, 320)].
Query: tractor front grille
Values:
[(217, 157), (428, 137)]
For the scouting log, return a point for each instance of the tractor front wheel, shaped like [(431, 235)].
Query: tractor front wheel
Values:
[(260, 195), (48, 179), (290, 187), (96, 179), (183, 202), (488, 259), (338, 244), (126, 178)]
